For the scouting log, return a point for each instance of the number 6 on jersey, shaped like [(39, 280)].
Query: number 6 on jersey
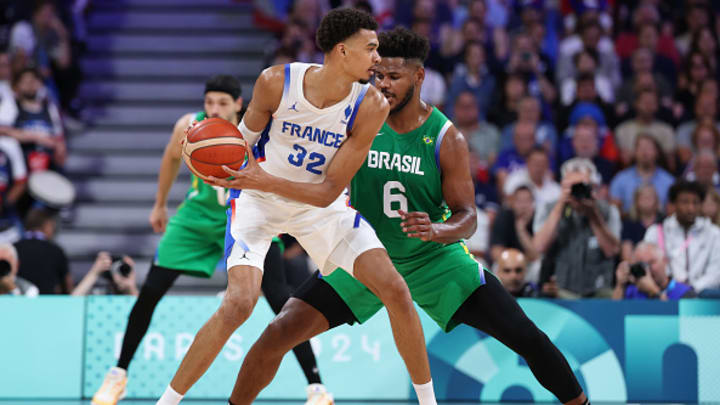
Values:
[(389, 198)]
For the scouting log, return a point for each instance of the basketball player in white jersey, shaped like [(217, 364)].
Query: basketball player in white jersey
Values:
[(313, 126)]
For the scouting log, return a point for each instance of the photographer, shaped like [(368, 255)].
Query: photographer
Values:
[(119, 271), (580, 234), (647, 278), (9, 282)]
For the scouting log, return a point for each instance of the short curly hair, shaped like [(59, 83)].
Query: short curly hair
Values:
[(685, 186), (403, 43), (340, 24)]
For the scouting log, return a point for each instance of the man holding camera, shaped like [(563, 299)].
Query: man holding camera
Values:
[(579, 235), (646, 277), (119, 272)]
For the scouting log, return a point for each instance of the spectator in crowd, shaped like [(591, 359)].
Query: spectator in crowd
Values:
[(529, 112), (13, 176), (705, 42), (642, 75), (513, 226), (482, 137), (648, 38), (586, 64), (119, 273), (8, 107), (645, 277), (646, 14), (586, 144), (580, 233), (511, 268), (645, 171), (592, 38), (44, 42), (534, 68), (646, 105), (703, 168), (589, 114), (42, 261), (711, 206), (515, 157), (537, 174), (586, 93), (38, 125), (645, 211), (690, 242), (504, 107), (473, 75), (296, 40), (689, 84), (434, 88), (10, 283), (705, 113), (697, 16)]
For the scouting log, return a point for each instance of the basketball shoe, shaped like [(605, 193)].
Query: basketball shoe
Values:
[(318, 395), (112, 389)]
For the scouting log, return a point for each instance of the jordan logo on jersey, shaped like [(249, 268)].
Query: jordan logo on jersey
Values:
[(348, 111), (394, 161), (293, 107)]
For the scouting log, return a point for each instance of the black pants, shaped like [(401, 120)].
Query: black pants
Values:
[(159, 280), (494, 311)]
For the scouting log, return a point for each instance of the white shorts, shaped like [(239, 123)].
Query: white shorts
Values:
[(333, 236)]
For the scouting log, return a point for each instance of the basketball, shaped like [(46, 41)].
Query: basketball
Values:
[(210, 144)]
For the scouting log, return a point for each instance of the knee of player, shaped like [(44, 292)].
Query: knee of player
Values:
[(235, 309), (279, 336), (395, 292)]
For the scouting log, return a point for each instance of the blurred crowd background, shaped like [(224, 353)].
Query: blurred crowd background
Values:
[(615, 102)]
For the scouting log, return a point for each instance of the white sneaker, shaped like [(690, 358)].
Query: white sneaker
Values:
[(112, 389), (318, 395)]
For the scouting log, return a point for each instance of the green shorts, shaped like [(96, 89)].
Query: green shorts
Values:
[(439, 283), (193, 250)]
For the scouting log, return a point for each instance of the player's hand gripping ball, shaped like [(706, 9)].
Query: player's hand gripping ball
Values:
[(210, 144)]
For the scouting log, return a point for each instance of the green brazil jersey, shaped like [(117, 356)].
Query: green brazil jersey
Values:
[(204, 205), (402, 172)]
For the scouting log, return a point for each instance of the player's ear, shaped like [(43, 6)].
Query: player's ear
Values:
[(239, 104), (419, 75), (341, 49)]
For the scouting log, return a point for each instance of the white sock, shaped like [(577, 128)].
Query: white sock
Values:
[(170, 397), (425, 393)]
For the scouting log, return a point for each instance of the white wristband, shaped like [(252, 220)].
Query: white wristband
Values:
[(251, 137)]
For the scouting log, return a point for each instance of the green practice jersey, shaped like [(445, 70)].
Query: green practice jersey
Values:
[(402, 172)]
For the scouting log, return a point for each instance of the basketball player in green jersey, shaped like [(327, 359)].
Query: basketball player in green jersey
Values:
[(415, 189), (193, 244)]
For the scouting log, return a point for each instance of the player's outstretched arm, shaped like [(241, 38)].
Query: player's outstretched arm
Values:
[(458, 192), (168, 173), (346, 162)]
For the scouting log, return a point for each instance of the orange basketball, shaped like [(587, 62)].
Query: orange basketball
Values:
[(212, 143)]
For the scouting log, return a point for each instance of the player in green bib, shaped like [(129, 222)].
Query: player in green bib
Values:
[(193, 244), (415, 189)]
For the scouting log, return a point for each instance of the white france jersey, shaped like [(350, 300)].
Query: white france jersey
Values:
[(301, 139)]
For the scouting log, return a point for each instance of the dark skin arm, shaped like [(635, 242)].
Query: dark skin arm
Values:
[(459, 194), (343, 166)]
